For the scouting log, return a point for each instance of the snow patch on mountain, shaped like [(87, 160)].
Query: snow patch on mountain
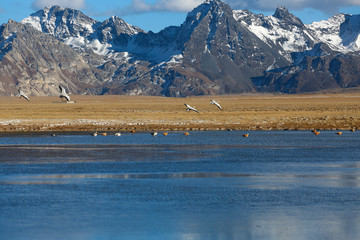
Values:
[(34, 21), (272, 31), (328, 31), (341, 32)]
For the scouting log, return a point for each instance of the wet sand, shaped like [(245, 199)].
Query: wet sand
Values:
[(144, 113)]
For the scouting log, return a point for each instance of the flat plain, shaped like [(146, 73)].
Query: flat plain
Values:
[(146, 113)]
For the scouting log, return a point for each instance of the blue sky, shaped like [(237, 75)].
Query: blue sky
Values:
[(157, 14)]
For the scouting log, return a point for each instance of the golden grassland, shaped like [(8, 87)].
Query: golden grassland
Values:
[(145, 113)]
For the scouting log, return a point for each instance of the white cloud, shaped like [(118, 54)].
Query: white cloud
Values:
[(77, 4), (140, 6), (180, 5), (267, 5)]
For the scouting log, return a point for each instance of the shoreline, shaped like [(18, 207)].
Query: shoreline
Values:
[(124, 132), (88, 129)]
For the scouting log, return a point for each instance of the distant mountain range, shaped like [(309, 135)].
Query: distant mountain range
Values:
[(216, 50)]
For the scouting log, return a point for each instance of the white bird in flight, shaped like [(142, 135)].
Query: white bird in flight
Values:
[(22, 94), (213, 102), (64, 94), (190, 108)]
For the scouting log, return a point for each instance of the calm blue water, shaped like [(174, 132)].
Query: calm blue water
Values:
[(209, 185)]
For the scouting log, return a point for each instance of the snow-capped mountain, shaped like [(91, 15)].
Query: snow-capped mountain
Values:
[(62, 23), (216, 50), (341, 32), (282, 30), (113, 38), (80, 31)]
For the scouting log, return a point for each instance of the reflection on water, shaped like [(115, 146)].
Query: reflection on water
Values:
[(339, 180), (209, 185)]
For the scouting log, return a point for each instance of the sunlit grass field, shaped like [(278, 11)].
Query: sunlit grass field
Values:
[(144, 113)]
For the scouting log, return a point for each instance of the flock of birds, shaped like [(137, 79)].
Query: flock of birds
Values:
[(63, 94), (95, 134), (337, 133), (212, 102), (186, 133), (188, 108)]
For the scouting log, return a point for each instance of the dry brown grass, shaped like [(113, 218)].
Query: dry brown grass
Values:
[(125, 113)]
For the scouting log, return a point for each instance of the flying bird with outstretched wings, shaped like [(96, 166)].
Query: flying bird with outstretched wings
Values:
[(190, 108), (22, 94), (63, 94), (213, 102)]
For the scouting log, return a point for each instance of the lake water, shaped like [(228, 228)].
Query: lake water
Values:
[(208, 185)]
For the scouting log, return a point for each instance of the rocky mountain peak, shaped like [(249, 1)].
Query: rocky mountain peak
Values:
[(211, 12), (61, 22), (118, 26), (213, 7), (212, 1), (283, 14)]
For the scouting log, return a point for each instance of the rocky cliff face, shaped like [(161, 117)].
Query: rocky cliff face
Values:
[(313, 72), (223, 50), (38, 63), (215, 51)]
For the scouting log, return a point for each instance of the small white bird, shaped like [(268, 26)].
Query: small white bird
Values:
[(94, 134), (154, 133), (64, 94), (213, 102), (118, 134), (190, 108), (22, 94)]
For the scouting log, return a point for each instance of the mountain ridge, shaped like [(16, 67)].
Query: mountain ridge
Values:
[(217, 50)]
